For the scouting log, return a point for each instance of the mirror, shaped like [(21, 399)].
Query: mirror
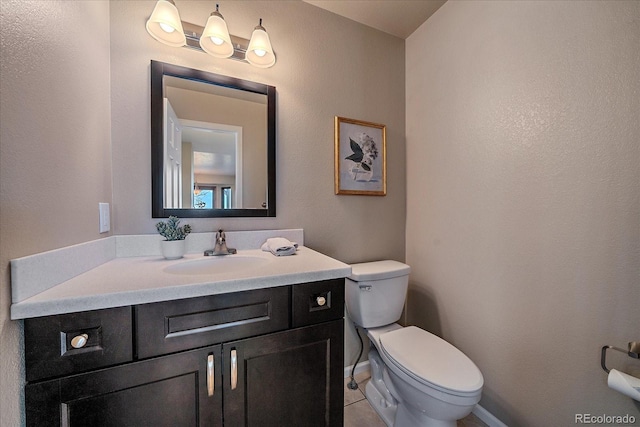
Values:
[(212, 145)]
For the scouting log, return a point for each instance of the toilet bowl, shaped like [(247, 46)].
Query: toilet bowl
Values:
[(417, 378)]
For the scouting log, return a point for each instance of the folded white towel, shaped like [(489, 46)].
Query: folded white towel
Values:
[(279, 246)]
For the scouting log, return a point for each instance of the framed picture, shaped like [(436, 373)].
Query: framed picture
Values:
[(360, 157)]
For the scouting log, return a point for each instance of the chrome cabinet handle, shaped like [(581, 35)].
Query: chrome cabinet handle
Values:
[(234, 369), (79, 341), (210, 375)]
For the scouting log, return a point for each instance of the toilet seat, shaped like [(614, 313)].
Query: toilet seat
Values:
[(431, 361)]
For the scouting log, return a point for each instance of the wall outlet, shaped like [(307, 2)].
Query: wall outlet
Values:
[(105, 218)]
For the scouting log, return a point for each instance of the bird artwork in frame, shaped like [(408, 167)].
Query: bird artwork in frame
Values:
[(360, 157)]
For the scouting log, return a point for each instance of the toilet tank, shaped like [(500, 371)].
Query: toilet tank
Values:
[(375, 292)]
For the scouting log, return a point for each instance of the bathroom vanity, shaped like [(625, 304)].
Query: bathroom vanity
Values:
[(268, 353)]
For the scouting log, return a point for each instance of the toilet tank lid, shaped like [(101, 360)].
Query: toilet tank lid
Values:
[(378, 270)]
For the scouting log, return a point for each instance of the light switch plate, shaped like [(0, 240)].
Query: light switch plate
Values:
[(105, 218)]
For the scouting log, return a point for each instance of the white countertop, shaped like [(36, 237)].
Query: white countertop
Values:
[(128, 270), (140, 280)]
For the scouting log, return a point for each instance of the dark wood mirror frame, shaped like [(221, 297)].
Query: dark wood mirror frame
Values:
[(158, 71)]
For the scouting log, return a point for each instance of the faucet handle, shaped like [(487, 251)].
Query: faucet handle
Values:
[(220, 235)]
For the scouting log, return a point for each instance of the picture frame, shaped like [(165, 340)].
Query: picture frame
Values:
[(360, 157)]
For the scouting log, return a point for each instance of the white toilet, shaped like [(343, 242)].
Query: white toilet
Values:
[(417, 378)]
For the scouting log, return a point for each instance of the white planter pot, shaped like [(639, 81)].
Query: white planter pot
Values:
[(173, 249)]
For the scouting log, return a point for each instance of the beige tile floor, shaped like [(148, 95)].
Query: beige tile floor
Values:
[(358, 412)]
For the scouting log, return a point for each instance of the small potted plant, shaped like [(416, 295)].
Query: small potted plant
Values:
[(173, 247)]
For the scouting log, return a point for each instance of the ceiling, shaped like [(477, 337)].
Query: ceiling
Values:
[(397, 17)]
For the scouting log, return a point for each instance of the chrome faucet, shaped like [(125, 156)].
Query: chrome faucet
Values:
[(221, 243), (221, 246)]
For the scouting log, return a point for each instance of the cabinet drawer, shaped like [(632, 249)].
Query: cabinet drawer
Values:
[(76, 342), (317, 302), (172, 326)]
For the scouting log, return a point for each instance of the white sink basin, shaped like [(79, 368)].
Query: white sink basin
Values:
[(217, 265)]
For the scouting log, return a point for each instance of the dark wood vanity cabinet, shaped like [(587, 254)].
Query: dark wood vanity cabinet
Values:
[(268, 357)]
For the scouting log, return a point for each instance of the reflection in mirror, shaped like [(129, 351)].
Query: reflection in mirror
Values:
[(212, 160), (213, 144)]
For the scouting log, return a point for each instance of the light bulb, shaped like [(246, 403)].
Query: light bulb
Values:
[(167, 28), (217, 41), (260, 52)]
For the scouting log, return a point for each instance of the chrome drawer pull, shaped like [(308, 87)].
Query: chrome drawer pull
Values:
[(210, 375), (234, 370), (321, 301)]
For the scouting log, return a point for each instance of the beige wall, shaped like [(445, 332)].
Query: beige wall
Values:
[(75, 127), (55, 146), (326, 66), (523, 197)]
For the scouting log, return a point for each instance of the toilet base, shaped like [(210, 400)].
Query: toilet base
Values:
[(396, 415), (404, 418), (385, 409)]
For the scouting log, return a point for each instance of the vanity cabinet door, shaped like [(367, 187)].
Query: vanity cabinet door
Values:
[(184, 389), (291, 378)]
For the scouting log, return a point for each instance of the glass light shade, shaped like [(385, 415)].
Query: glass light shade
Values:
[(260, 53), (215, 38), (165, 26)]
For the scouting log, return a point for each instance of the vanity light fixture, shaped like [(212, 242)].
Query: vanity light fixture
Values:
[(165, 26), (215, 38), (260, 52)]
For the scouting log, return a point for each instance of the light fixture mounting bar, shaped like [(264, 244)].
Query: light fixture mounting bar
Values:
[(193, 32)]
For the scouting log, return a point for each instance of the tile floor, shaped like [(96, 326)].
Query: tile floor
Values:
[(358, 412)]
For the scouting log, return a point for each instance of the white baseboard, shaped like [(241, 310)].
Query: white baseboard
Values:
[(362, 366), (486, 416)]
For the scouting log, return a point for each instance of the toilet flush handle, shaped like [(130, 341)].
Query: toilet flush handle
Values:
[(365, 288)]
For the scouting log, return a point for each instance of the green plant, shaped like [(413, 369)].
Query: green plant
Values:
[(171, 230)]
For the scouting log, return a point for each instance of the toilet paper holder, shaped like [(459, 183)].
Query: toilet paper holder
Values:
[(633, 351)]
